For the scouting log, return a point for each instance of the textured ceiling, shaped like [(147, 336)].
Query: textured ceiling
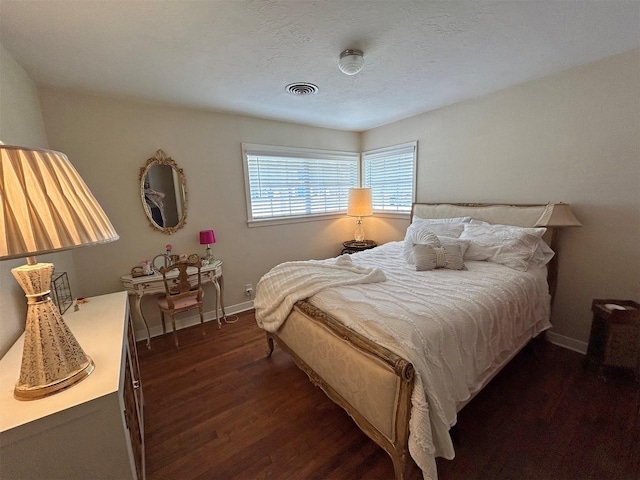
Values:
[(239, 55)]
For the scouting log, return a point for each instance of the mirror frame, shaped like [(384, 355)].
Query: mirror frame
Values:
[(161, 158)]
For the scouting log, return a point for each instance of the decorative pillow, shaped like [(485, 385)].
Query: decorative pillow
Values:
[(505, 244), (422, 236), (429, 258), (417, 236), (463, 244)]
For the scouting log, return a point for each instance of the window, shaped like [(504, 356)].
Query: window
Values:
[(286, 184), (390, 172)]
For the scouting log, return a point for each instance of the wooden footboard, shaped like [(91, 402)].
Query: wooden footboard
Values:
[(370, 382)]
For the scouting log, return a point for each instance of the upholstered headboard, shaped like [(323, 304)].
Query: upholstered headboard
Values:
[(519, 215)]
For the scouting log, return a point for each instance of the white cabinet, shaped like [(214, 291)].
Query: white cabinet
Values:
[(93, 430)]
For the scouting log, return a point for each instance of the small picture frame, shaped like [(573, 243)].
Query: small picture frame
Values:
[(61, 292)]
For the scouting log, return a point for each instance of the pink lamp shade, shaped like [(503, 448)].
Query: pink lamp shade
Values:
[(207, 237)]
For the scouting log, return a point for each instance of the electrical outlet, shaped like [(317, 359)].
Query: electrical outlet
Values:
[(248, 289)]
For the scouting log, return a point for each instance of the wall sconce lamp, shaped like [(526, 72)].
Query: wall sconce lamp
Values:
[(45, 207), (359, 206), (207, 237)]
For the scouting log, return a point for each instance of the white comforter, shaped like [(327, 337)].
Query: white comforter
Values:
[(456, 328)]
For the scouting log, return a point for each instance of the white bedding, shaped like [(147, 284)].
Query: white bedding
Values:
[(289, 282), (454, 326)]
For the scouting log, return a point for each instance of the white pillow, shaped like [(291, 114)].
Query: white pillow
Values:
[(542, 255), (443, 220), (463, 244), (417, 236), (429, 258), (445, 229), (505, 244)]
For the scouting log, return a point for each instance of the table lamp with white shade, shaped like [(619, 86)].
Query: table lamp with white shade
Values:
[(359, 206), (45, 207)]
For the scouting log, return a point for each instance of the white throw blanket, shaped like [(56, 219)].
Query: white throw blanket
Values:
[(289, 282)]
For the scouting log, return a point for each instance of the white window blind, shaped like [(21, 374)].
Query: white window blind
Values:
[(288, 183), (390, 172)]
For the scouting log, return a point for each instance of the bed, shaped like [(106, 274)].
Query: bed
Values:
[(402, 336)]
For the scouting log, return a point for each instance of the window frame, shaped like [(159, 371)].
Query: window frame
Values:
[(389, 151), (300, 153)]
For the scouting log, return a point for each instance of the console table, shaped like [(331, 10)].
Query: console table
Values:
[(95, 428), (150, 284)]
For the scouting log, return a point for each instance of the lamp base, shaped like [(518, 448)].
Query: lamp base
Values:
[(52, 358), (358, 235), (24, 392)]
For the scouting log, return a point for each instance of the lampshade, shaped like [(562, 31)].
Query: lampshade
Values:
[(45, 206), (359, 202), (558, 215), (207, 237), (351, 61)]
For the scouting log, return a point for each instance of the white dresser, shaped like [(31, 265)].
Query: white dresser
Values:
[(93, 430)]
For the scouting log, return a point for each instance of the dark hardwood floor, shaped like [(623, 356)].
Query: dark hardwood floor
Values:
[(217, 408)]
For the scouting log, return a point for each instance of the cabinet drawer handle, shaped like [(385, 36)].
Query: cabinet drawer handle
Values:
[(136, 384)]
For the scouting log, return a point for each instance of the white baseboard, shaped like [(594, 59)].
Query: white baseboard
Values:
[(184, 322), (191, 320), (567, 342)]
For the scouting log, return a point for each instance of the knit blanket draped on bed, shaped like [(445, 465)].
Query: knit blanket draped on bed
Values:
[(285, 284)]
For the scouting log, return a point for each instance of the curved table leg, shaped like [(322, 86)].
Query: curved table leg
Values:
[(221, 281), (218, 296), (144, 320)]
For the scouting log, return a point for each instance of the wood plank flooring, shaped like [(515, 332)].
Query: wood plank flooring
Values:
[(217, 408)]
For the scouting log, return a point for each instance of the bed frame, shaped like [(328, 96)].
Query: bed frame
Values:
[(384, 417)]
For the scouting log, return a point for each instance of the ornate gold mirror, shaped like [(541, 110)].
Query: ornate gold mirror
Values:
[(163, 190)]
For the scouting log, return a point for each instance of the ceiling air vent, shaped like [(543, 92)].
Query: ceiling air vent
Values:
[(301, 89)]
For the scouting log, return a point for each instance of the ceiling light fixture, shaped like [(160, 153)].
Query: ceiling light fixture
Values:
[(351, 61)]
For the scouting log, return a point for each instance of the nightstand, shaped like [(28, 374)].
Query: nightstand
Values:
[(353, 246), (615, 335)]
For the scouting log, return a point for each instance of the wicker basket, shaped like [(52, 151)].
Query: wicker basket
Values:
[(622, 339)]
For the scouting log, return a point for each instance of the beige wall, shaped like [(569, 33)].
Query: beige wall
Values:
[(572, 137), (109, 140), (20, 124)]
